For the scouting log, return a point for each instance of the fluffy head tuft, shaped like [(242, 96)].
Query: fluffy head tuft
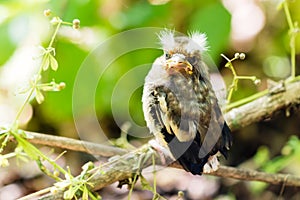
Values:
[(198, 42), (167, 39), (195, 42)]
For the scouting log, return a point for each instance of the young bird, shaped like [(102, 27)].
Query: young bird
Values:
[(180, 106)]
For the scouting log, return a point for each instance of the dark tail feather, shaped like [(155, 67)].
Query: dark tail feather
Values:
[(188, 165), (187, 153), (226, 140)]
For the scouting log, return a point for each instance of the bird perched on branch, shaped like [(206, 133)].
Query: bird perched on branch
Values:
[(180, 106)]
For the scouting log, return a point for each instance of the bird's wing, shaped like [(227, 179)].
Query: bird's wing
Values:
[(177, 112), (216, 136)]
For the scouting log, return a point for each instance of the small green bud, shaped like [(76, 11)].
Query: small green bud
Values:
[(180, 194), (56, 173), (257, 81), (87, 166), (236, 55), (47, 12), (53, 190), (76, 23), (61, 85), (242, 56)]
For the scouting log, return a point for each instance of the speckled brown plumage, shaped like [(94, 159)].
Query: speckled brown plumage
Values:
[(180, 106)]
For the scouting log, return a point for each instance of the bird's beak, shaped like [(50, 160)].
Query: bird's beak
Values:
[(178, 63)]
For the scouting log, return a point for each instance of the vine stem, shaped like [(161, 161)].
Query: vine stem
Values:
[(293, 56), (55, 33), (232, 87), (23, 106), (246, 100), (246, 77), (35, 82), (293, 37)]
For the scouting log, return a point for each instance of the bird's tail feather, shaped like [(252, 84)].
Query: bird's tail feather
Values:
[(226, 140)]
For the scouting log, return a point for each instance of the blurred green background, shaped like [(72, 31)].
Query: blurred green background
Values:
[(256, 28)]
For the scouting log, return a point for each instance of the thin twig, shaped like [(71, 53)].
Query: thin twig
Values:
[(253, 175), (74, 145)]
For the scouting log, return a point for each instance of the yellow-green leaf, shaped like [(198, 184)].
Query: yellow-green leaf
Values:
[(45, 62), (69, 194), (39, 96), (29, 149), (23, 90), (53, 62), (145, 184), (85, 193)]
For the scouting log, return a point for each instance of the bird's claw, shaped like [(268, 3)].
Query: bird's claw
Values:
[(212, 164), (162, 151)]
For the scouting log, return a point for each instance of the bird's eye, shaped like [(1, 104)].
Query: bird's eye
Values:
[(192, 60), (168, 56)]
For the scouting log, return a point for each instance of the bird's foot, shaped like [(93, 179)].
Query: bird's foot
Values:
[(162, 151), (211, 165)]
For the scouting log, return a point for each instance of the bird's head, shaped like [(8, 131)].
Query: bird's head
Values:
[(182, 53)]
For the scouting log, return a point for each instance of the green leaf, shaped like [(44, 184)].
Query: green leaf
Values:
[(23, 90), (280, 162), (45, 62), (145, 184), (69, 194), (39, 96), (69, 53), (29, 149), (53, 62), (262, 156), (85, 193)]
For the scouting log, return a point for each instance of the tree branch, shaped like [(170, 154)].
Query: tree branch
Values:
[(252, 175), (124, 166), (278, 98), (73, 144)]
